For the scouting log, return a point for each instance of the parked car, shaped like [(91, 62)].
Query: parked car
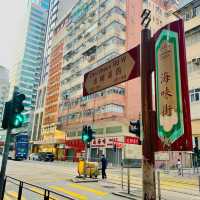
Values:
[(46, 156), (34, 156)]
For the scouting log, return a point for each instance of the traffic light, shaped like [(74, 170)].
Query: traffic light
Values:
[(90, 134), (85, 136), (17, 119), (6, 115), (134, 127)]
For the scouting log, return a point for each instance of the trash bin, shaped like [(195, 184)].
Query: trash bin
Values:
[(92, 169)]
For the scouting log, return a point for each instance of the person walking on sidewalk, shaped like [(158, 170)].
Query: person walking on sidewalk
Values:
[(104, 164), (179, 166)]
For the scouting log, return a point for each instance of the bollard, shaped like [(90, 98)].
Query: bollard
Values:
[(128, 177), (159, 191), (20, 190), (122, 177), (199, 183), (46, 195)]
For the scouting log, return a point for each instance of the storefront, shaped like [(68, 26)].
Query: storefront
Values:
[(73, 149), (106, 146), (53, 142)]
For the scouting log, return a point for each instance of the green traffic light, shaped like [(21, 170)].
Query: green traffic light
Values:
[(19, 119), (85, 137)]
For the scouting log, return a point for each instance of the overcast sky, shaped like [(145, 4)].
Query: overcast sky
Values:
[(11, 19)]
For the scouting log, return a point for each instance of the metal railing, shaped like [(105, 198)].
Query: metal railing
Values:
[(35, 189)]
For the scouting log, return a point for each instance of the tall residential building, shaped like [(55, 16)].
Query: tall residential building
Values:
[(56, 10), (39, 108), (92, 33), (191, 15), (26, 73)]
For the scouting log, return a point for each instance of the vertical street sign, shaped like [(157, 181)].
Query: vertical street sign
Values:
[(168, 90), (177, 130)]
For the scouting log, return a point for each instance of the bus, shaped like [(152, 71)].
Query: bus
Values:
[(18, 149)]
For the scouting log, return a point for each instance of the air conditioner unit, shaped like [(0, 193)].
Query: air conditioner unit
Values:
[(198, 61), (194, 60)]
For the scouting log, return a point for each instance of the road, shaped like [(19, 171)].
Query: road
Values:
[(57, 176)]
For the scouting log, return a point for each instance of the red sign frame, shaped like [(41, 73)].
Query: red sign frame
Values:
[(184, 143)]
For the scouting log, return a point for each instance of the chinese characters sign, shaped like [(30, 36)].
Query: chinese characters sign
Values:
[(105, 141), (118, 70), (168, 87)]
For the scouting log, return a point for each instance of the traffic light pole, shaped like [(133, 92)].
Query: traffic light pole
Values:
[(4, 162), (6, 150), (149, 187)]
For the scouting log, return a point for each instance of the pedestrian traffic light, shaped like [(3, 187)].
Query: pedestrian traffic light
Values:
[(90, 134), (134, 127), (6, 115), (17, 119)]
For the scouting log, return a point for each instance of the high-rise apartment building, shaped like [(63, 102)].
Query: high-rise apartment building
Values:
[(26, 73), (191, 15), (39, 108), (56, 12), (92, 33)]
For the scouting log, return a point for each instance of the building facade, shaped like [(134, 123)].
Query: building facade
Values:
[(56, 13), (26, 73), (4, 88), (92, 33), (191, 15), (41, 93)]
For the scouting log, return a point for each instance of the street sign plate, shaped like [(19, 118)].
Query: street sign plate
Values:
[(169, 97), (118, 70)]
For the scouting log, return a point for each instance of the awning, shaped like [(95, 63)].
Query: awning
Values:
[(195, 128)]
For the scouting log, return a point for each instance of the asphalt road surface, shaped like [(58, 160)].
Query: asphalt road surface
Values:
[(57, 177)]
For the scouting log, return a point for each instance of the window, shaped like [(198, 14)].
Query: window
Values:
[(198, 11), (114, 129), (112, 108), (99, 131), (195, 95)]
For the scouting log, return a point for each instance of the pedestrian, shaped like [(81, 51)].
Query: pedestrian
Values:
[(104, 164), (178, 165)]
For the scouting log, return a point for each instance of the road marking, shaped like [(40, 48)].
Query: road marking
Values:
[(81, 187), (70, 193), (6, 197), (14, 194), (36, 190)]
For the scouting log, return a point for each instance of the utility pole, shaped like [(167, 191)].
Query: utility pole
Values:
[(6, 151), (4, 161), (149, 187)]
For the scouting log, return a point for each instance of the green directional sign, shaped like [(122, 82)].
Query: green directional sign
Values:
[(168, 87)]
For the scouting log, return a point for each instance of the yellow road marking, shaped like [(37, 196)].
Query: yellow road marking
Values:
[(14, 194), (36, 190), (81, 187), (70, 193), (6, 197)]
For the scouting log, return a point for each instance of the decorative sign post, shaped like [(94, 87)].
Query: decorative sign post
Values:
[(168, 87)]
